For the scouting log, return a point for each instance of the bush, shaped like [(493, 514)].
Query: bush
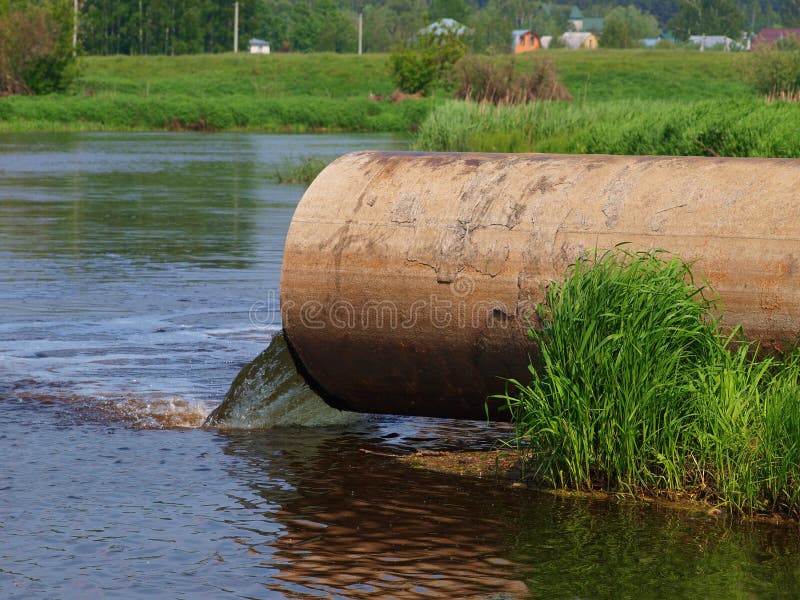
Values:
[(775, 72), (36, 54), (426, 62), (483, 79)]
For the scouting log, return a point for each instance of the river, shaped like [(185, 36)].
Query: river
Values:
[(139, 273)]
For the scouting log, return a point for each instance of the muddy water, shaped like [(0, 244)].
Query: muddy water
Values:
[(139, 274)]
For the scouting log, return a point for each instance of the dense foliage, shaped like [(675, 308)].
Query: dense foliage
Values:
[(708, 17), (637, 390), (625, 26), (36, 47), (775, 71), (184, 26), (426, 61)]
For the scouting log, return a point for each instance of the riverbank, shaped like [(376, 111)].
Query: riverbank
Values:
[(506, 469), (328, 92)]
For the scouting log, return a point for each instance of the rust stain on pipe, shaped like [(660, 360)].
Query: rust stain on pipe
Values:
[(409, 279)]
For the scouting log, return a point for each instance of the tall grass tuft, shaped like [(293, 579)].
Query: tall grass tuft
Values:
[(637, 390), (706, 128), (302, 170)]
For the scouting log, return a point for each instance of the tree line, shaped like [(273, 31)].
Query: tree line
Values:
[(196, 26)]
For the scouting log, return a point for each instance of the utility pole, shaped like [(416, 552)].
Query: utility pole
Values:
[(235, 27), (75, 29), (360, 32)]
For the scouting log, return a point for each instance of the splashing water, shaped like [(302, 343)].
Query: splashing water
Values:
[(269, 392)]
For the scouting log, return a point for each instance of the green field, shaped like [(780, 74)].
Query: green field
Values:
[(297, 92), (323, 92), (629, 102)]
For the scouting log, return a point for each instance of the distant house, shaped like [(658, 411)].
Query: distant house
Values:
[(545, 41), (579, 39), (525, 41), (258, 46), (581, 23), (767, 37), (707, 42), (444, 27)]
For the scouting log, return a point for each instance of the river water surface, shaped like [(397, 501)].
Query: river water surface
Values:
[(139, 273)]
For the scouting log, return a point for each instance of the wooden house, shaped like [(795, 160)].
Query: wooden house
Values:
[(583, 39), (525, 40)]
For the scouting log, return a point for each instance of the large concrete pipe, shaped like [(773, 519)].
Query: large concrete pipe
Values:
[(408, 279)]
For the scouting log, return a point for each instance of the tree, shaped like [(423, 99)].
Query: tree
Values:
[(492, 30), (707, 17), (36, 52), (426, 62), (449, 9), (625, 26)]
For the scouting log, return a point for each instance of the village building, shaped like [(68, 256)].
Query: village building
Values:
[(579, 39), (707, 42), (525, 40), (770, 35), (258, 46), (580, 23)]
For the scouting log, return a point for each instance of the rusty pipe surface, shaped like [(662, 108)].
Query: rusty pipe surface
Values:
[(409, 279)]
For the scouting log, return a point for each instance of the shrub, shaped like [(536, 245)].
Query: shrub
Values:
[(484, 79), (426, 62), (774, 72), (36, 54)]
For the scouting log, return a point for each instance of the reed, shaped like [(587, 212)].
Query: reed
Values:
[(637, 390), (744, 127), (302, 170)]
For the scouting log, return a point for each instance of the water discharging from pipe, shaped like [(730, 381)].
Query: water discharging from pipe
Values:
[(269, 392)]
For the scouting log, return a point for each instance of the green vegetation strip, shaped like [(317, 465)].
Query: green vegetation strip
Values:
[(331, 92), (300, 170), (746, 127), (128, 112), (637, 390)]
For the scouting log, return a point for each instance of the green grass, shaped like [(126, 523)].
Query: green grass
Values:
[(325, 75), (742, 127), (322, 92), (301, 170), (676, 75), (325, 92), (131, 112), (637, 390)]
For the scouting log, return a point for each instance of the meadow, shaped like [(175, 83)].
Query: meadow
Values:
[(331, 92), (628, 102), (290, 92)]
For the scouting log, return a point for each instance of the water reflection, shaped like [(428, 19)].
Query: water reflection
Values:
[(149, 197), (356, 522)]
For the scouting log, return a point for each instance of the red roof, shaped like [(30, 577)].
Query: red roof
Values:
[(772, 35)]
